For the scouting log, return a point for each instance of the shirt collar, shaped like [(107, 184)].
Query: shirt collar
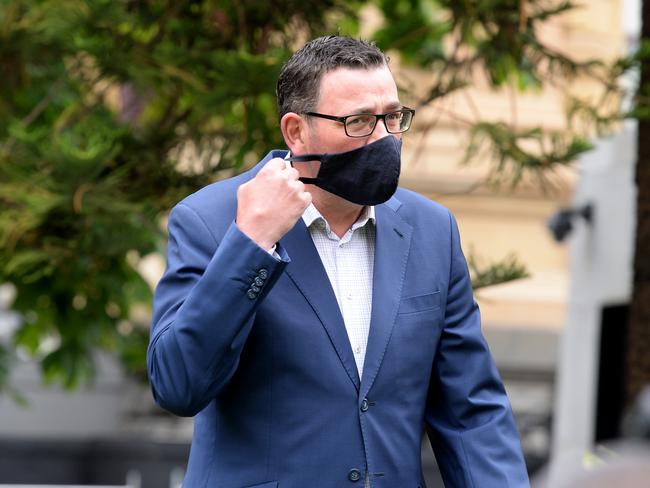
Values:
[(311, 215)]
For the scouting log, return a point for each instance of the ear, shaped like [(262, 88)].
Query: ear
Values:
[(295, 132)]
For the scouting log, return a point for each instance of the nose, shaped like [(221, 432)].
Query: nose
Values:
[(379, 132)]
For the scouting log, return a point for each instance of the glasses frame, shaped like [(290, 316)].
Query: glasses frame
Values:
[(343, 119)]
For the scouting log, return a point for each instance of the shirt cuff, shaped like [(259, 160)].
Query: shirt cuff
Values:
[(273, 252)]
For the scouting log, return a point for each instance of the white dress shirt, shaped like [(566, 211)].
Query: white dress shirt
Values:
[(349, 263)]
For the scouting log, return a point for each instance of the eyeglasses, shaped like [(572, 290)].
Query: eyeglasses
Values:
[(362, 125)]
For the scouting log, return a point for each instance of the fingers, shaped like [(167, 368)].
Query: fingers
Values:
[(292, 173), (306, 198), (278, 166), (297, 185), (274, 164)]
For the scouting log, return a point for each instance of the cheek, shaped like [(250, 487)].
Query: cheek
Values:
[(332, 139), (309, 170)]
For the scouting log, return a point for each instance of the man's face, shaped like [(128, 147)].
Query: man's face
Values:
[(347, 91)]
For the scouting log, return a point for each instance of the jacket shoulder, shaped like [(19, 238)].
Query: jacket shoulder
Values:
[(413, 207), (216, 203)]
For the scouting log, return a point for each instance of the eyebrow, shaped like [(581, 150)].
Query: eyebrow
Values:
[(389, 108)]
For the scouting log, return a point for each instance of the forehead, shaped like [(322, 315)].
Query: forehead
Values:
[(351, 89)]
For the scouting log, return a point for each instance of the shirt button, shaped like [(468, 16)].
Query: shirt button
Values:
[(364, 405), (349, 297), (354, 475)]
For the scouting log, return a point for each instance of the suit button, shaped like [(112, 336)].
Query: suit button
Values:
[(256, 289), (364, 405), (263, 273), (251, 294), (354, 475), (258, 281)]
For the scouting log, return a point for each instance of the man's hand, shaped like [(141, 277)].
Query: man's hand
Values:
[(270, 204)]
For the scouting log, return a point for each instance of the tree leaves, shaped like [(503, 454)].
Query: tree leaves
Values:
[(462, 43), (516, 152), (111, 112), (496, 272)]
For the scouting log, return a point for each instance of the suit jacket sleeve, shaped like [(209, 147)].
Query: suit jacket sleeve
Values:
[(469, 419), (204, 308)]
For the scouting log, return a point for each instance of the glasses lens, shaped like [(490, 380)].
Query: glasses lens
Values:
[(360, 125), (394, 121), (405, 120)]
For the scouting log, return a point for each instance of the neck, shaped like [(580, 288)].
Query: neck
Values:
[(339, 213)]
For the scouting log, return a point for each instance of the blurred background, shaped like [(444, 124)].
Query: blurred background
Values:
[(530, 126)]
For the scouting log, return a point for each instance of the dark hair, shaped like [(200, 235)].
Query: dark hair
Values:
[(299, 81)]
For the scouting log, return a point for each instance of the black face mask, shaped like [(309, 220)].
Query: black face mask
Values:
[(365, 176)]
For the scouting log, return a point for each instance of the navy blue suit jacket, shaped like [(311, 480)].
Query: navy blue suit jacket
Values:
[(256, 349)]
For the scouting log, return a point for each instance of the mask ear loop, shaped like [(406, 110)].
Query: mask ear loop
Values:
[(287, 161), (303, 159)]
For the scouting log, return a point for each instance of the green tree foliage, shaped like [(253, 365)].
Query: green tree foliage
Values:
[(460, 41), (99, 102), (484, 275), (113, 110), (498, 40)]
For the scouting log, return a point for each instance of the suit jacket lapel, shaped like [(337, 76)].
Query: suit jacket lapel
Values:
[(392, 244), (307, 272)]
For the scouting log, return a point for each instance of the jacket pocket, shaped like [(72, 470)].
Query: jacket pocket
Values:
[(268, 484), (420, 303)]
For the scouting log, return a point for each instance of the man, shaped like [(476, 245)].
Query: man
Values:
[(314, 319)]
